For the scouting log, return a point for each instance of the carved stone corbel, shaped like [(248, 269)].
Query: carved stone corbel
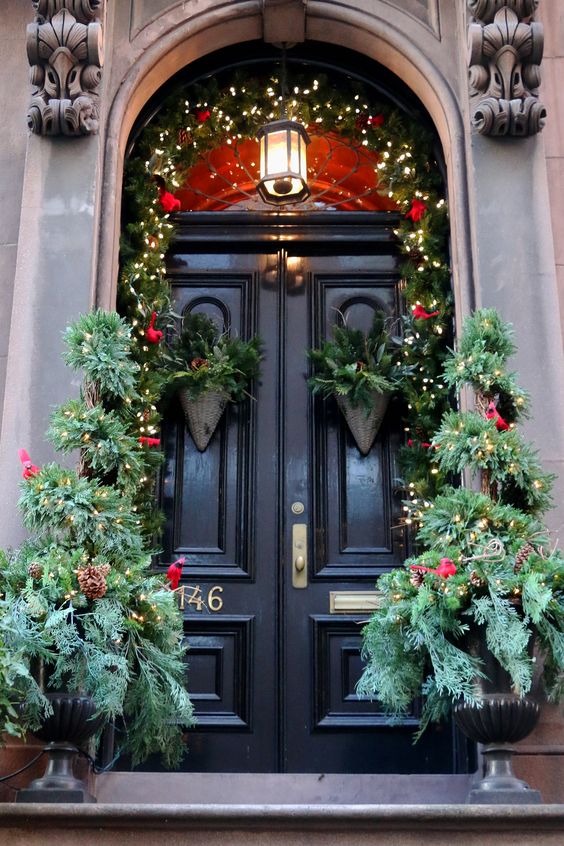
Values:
[(65, 51), (486, 10), (83, 10), (505, 51)]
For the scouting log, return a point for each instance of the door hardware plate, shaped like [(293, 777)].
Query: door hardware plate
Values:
[(353, 601), (299, 555)]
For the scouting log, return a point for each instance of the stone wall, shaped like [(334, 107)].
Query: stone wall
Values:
[(552, 14), (14, 94)]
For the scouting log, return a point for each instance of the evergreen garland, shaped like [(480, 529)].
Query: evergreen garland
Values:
[(204, 116)]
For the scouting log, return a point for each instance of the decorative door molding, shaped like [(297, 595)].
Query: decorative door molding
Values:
[(65, 51), (505, 48)]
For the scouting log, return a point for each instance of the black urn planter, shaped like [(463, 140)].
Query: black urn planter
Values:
[(498, 719), (69, 727)]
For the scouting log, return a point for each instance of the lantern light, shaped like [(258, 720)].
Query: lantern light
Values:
[(283, 162)]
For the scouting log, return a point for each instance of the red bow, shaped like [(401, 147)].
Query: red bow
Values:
[(202, 115), (30, 470), (423, 444), (153, 335), (419, 313), (174, 572), (417, 210), (150, 442), (445, 569)]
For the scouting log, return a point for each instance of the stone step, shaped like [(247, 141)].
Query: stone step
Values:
[(281, 825), (280, 788)]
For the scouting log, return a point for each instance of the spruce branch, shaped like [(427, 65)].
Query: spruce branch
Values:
[(99, 345)]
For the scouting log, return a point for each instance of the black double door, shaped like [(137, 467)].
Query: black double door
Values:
[(284, 524)]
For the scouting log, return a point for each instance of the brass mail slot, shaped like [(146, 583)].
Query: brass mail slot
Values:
[(353, 601)]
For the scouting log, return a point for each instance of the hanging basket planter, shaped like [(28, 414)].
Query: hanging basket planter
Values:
[(202, 414), (363, 424)]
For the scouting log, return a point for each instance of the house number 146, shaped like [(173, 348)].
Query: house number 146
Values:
[(193, 596)]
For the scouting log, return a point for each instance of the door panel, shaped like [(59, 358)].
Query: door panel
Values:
[(209, 522), (272, 669), (353, 510), (211, 502)]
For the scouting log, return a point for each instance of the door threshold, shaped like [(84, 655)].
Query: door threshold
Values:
[(154, 788)]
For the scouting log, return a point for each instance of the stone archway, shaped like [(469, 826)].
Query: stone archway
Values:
[(306, 277), (403, 41)]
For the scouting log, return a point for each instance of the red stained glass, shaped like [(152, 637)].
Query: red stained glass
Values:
[(342, 174)]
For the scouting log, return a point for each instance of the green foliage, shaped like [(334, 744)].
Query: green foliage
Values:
[(357, 364), (485, 346), (202, 359), (415, 643), (464, 518), (58, 503), (426, 397), (79, 596), (468, 441), (105, 647), (15, 681), (107, 446), (113, 412), (500, 579), (99, 345), (424, 389)]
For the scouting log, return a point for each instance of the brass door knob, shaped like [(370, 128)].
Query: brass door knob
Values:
[(300, 563)]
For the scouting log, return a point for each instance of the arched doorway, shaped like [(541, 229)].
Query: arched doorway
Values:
[(275, 654)]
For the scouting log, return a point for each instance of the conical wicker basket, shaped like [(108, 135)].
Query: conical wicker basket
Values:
[(364, 426), (202, 414)]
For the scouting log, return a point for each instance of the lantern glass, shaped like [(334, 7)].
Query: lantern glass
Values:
[(283, 162)]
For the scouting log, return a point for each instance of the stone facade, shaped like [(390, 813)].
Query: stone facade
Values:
[(60, 208)]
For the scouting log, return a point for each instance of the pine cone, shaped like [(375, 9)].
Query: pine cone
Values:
[(198, 363), (35, 570), (92, 582), (475, 579), (183, 136), (105, 570), (416, 578), (522, 556)]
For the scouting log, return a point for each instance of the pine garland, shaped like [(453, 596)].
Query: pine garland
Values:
[(203, 117)]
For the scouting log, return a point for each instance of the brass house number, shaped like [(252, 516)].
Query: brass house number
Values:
[(192, 596)]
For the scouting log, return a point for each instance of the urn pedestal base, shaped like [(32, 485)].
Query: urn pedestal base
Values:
[(58, 784), (71, 723), (500, 786), (498, 721)]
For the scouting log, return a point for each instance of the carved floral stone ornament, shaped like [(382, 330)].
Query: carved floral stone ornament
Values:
[(65, 51), (505, 51)]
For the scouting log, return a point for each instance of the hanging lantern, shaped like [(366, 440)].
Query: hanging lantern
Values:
[(283, 162)]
